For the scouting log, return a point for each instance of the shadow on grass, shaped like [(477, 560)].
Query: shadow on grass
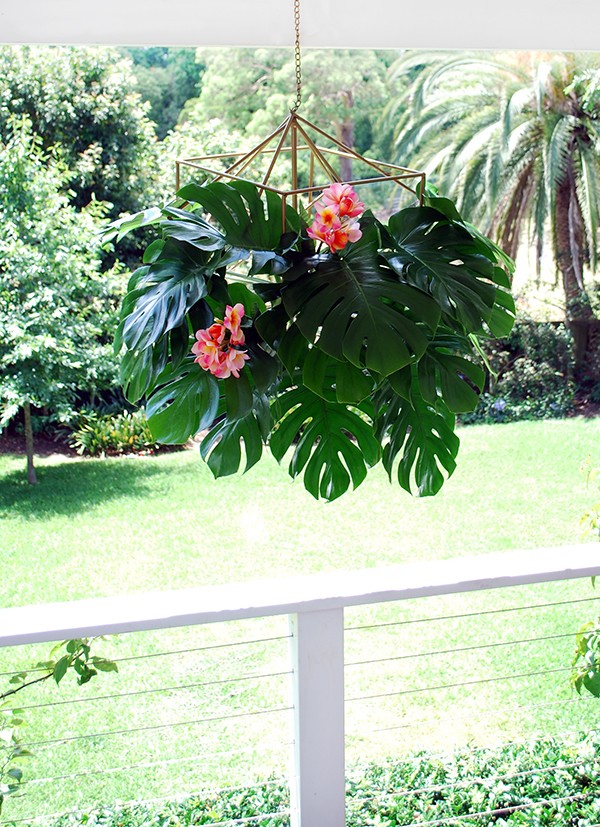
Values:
[(75, 486)]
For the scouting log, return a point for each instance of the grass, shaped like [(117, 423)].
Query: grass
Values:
[(102, 527)]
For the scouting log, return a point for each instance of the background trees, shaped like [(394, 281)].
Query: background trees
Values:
[(56, 310), (83, 103), (516, 139)]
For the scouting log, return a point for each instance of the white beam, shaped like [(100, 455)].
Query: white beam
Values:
[(437, 24), (264, 598), (318, 769)]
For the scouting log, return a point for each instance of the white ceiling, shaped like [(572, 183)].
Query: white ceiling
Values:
[(457, 24)]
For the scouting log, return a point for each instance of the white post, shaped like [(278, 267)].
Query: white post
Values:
[(318, 773)]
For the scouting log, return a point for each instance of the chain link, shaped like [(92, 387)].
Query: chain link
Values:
[(297, 59)]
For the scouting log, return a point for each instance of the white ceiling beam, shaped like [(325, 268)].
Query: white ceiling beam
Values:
[(433, 24)]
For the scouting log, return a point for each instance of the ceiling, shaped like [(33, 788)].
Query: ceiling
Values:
[(438, 24)]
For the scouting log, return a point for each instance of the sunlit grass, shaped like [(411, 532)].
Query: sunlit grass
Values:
[(117, 526)]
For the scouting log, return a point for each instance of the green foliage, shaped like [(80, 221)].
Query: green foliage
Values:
[(81, 102), (585, 672), (395, 314), (78, 659), (532, 375), (97, 434), (56, 309), (528, 783), (166, 78), (515, 139)]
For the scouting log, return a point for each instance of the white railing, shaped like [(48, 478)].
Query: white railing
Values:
[(315, 606)]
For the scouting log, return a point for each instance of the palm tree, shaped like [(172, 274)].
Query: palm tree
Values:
[(516, 140)]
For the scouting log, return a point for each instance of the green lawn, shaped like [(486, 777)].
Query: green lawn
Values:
[(102, 527)]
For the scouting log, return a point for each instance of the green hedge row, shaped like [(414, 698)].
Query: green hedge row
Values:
[(543, 782)]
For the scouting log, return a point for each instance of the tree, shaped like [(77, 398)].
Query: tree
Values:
[(343, 91), (252, 91), (56, 310), (516, 140), (166, 78), (83, 100)]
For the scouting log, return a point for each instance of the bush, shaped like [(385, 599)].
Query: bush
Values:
[(534, 375), (123, 433), (420, 788)]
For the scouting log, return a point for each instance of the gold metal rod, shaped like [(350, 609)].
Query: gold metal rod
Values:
[(177, 177), (294, 156), (283, 214), (311, 175), (277, 150), (330, 172), (346, 149), (247, 159)]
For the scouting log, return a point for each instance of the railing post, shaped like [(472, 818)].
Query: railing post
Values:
[(318, 770)]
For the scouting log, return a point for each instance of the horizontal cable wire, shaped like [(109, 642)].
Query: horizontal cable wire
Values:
[(460, 649), (470, 614), (473, 682), (154, 727), (467, 782), (149, 765), (164, 654), (520, 708), (118, 695), (499, 811)]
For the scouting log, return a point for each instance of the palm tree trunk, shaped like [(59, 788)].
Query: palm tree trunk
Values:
[(570, 253), (31, 475)]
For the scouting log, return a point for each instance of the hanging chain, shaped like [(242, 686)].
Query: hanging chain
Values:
[(297, 59)]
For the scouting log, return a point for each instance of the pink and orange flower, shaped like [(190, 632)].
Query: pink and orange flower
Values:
[(334, 222), (217, 348)]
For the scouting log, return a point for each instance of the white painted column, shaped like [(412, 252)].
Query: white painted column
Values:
[(318, 771)]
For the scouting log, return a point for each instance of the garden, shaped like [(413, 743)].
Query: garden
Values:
[(145, 360)]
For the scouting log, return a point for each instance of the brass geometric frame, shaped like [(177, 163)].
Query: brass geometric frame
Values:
[(292, 138)]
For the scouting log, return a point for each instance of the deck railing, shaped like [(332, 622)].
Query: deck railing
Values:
[(315, 606)]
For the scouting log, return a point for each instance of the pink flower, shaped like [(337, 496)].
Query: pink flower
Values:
[(336, 239), (217, 347), (318, 231), (354, 232), (327, 214), (345, 199), (233, 320), (333, 222)]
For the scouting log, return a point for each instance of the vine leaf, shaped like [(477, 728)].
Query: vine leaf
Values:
[(333, 444)]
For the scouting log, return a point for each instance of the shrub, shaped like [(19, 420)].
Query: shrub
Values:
[(534, 375), (543, 782), (122, 433)]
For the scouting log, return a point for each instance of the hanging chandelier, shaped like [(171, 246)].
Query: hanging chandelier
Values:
[(293, 318), (302, 144)]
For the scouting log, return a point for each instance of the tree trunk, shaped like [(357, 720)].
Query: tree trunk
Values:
[(347, 138), (31, 475), (570, 254)]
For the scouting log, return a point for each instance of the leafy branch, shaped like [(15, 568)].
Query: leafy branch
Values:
[(77, 658)]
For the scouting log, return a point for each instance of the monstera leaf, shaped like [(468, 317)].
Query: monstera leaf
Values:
[(441, 257), (422, 437), (161, 293), (240, 211), (333, 444), (355, 309), (221, 448), (186, 401)]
